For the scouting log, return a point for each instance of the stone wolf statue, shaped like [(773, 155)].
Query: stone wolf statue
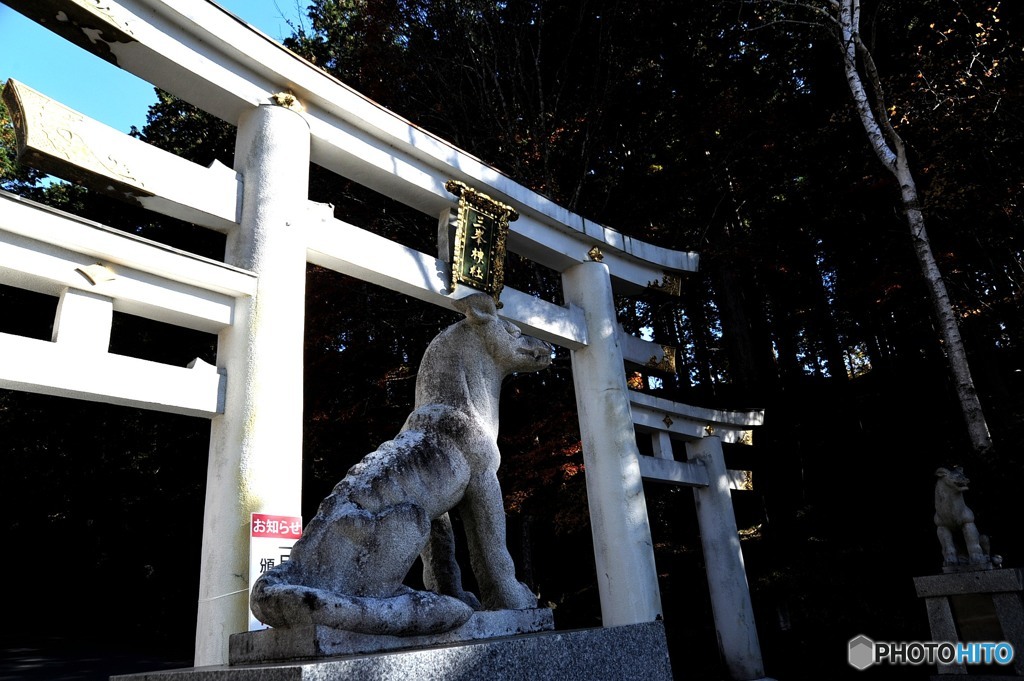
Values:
[(953, 517), (347, 569)]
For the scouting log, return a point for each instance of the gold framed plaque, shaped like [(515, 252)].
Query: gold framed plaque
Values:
[(478, 249)]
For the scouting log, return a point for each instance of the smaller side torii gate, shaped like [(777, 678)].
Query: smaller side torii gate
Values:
[(289, 114)]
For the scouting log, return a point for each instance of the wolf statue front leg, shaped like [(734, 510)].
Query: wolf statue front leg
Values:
[(488, 554), (441, 571)]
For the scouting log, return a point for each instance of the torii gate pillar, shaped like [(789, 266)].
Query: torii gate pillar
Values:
[(255, 460), (626, 575), (723, 559)]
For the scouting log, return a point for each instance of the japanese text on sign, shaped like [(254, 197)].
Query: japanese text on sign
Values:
[(283, 527)]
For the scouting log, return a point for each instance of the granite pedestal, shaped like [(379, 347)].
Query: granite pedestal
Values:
[(632, 652), (982, 605)]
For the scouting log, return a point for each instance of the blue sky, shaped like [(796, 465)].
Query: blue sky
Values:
[(47, 63)]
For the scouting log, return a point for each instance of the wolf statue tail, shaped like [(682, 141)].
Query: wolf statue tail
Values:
[(278, 603)]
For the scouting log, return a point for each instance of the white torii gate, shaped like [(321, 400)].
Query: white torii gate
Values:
[(288, 114)]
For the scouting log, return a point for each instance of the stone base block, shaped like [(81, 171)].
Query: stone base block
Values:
[(312, 642), (636, 651), (983, 605)]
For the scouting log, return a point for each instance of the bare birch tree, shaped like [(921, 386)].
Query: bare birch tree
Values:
[(842, 17)]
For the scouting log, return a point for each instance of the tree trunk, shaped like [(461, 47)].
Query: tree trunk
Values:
[(700, 334), (736, 335), (752, 366), (891, 151), (953, 345)]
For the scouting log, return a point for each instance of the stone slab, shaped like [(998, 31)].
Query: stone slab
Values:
[(631, 652), (956, 569), (973, 677), (986, 581), (313, 642)]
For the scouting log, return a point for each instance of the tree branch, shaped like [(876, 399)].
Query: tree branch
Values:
[(881, 112), (849, 16)]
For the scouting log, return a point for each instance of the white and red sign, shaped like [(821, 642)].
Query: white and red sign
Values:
[(271, 538)]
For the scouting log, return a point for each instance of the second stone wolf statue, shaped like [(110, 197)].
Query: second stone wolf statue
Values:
[(347, 569)]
